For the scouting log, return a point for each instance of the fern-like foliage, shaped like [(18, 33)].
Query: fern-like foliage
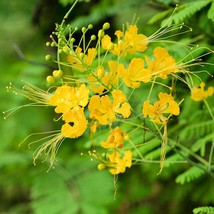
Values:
[(197, 130), (203, 210), (72, 189), (201, 143), (183, 12), (188, 10), (103, 10), (189, 175)]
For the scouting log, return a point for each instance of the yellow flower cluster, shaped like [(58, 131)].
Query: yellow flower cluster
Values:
[(114, 144), (166, 105), (94, 87)]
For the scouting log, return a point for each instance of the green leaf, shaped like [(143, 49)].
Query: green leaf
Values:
[(201, 143), (77, 188), (47, 189), (189, 175), (203, 210), (210, 13), (159, 16), (186, 11)]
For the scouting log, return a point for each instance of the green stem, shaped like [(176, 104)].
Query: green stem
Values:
[(61, 25), (212, 146), (209, 109), (150, 92), (199, 158), (68, 13), (210, 156)]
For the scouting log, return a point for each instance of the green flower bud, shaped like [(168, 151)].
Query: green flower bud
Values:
[(100, 33), (53, 44), (48, 44), (106, 26), (50, 79), (83, 29), (93, 37), (90, 26), (72, 40), (47, 57), (57, 73)]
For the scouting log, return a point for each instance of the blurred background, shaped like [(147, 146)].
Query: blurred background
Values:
[(75, 186)]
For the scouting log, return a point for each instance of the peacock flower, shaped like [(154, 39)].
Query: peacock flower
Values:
[(165, 105), (106, 42), (79, 60), (135, 41), (79, 123), (199, 94), (119, 49), (127, 42), (89, 58), (95, 81), (101, 109), (120, 104), (112, 77), (50, 147), (117, 164), (67, 97), (102, 80), (75, 61), (104, 110), (136, 73), (115, 140), (163, 64)]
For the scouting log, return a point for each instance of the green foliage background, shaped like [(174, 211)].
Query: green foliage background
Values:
[(75, 186)]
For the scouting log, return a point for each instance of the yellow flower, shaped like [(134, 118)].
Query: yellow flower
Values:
[(88, 59), (75, 60), (129, 42), (136, 73), (101, 109), (199, 94), (79, 123), (135, 41), (112, 77), (95, 81), (106, 42), (163, 65), (79, 61), (50, 147), (166, 105), (118, 165), (120, 106), (105, 80), (67, 97), (115, 140)]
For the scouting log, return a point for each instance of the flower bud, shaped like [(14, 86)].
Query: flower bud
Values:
[(50, 79), (47, 57), (100, 33), (106, 26), (48, 44), (57, 73), (90, 26), (101, 166), (100, 72), (93, 37), (83, 29)]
